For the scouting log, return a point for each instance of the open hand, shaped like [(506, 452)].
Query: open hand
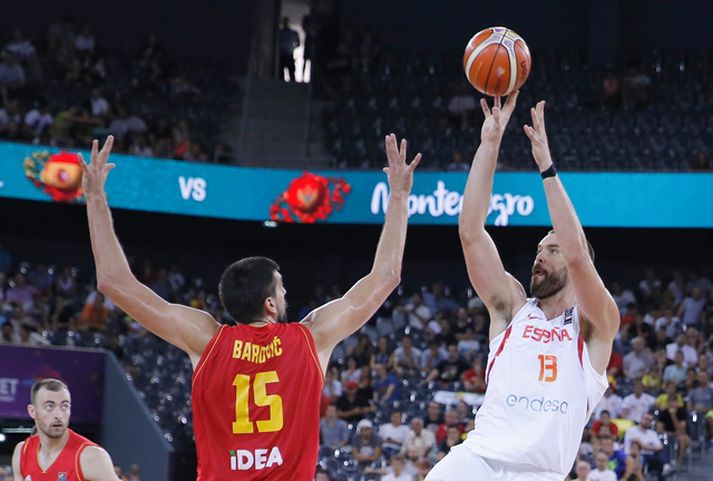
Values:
[(400, 173), (94, 174), (538, 137), (496, 119)]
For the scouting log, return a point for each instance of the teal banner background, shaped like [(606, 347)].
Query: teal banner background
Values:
[(602, 199)]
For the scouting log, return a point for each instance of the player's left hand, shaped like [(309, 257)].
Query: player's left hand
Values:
[(538, 137), (400, 173)]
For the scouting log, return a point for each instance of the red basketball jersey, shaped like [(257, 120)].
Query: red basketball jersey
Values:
[(256, 393), (65, 468)]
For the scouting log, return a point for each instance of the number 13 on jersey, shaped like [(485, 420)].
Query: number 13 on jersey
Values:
[(548, 368), (242, 423)]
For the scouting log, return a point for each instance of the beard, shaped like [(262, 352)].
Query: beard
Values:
[(551, 284), (53, 432)]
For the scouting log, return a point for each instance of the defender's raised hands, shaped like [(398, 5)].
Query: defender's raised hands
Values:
[(400, 173), (95, 173)]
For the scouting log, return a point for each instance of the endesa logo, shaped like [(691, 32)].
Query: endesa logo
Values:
[(538, 405)]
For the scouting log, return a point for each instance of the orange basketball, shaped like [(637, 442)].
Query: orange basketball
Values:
[(496, 61)]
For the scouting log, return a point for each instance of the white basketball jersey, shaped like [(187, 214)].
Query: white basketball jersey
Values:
[(541, 391)]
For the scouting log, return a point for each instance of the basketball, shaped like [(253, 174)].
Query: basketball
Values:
[(496, 61)]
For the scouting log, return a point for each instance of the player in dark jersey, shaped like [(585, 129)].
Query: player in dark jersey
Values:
[(56, 452), (256, 385)]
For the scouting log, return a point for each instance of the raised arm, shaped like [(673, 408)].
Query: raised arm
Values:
[(186, 328), (340, 318), (594, 299), (499, 291)]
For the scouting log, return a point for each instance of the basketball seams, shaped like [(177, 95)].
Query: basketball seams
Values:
[(492, 63), (477, 51)]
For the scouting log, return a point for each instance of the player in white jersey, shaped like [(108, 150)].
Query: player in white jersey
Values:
[(549, 352)]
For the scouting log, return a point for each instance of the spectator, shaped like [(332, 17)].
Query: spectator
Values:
[(393, 434), (462, 106), (634, 464), (350, 406), (20, 46), (84, 41), (452, 438), (417, 313), (386, 386), (700, 399), (366, 446), (622, 297), (672, 420), (289, 40), (637, 403), (690, 357), (10, 122), (670, 394), (12, 74), (691, 308), (616, 457), (362, 351), (334, 432), (20, 293), (668, 322), (474, 378), (431, 357), (582, 470), (406, 357), (650, 286), (601, 471), (676, 372), (457, 163), (321, 475), (636, 363), (37, 121), (99, 105), (332, 389), (652, 452), (449, 420), (434, 416), (418, 440), (450, 369), (397, 465), (95, 314), (605, 420)]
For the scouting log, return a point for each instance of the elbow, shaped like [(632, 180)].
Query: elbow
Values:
[(389, 278)]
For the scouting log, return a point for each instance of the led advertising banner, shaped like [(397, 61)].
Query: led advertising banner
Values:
[(607, 199)]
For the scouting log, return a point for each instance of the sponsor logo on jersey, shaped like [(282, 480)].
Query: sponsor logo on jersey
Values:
[(568, 316), (247, 351), (536, 404), (546, 335), (28, 478), (246, 459), (62, 477)]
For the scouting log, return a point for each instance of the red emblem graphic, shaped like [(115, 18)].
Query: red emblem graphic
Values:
[(58, 175), (309, 198)]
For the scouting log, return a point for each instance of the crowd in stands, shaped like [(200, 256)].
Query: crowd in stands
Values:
[(64, 88), (655, 115), (390, 408)]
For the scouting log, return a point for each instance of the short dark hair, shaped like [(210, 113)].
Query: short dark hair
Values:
[(51, 384), (604, 411), (245, 285), (590, 249)]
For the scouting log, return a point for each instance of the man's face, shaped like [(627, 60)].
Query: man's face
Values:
[(646, 421), (582, 471), (398, 466), (549, 273), (638, 388), (603, 459), (604, 418), (417, 426), (607, 448), (434, 410), (51, 411), (331, 412), (396, 418)]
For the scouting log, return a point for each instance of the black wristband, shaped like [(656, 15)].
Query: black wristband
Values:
[(550, 172)]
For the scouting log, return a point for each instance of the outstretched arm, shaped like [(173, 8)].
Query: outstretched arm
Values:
[(342, 317), (499, 291), (186, 328), (594, 299)]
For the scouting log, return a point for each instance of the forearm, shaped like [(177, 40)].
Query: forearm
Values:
[(109, 258), (570, 235), (390, 250), (476, 198)]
